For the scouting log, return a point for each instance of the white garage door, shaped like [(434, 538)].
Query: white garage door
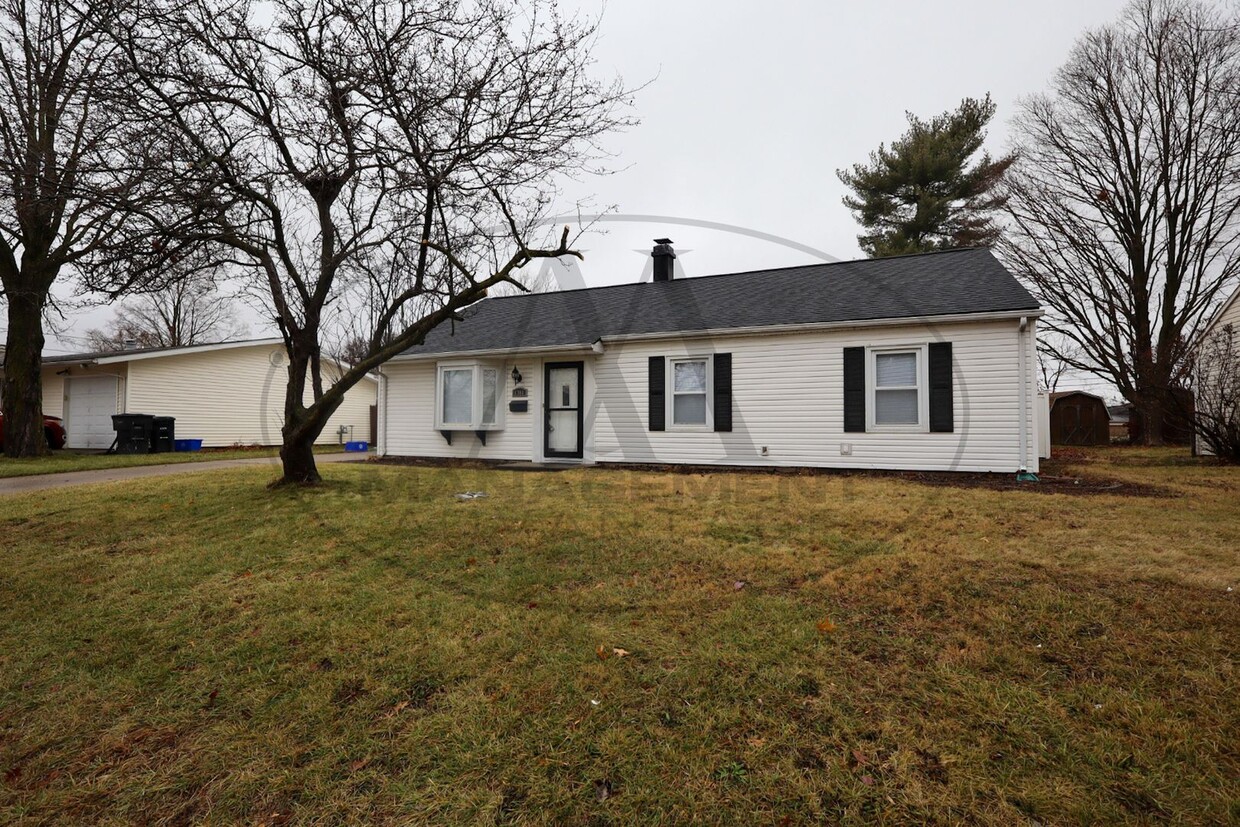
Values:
[(89, 405)]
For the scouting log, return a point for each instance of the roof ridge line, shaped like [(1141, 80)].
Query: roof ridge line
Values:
[(744, 272)]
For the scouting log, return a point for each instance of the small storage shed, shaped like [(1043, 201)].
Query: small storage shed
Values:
[(1079, 418)]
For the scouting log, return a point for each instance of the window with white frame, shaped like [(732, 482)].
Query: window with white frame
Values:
[(690, 391), (898, 388), (469, 397)]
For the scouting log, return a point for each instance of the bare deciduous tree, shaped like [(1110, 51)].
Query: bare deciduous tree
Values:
[(189, 311), (1051, 367), (80, 181), (401, 149), (1125, 200)]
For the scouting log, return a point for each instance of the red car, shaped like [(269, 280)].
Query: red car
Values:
[(52, 429)]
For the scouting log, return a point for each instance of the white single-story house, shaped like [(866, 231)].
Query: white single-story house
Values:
[(914, 362), (231, 393)]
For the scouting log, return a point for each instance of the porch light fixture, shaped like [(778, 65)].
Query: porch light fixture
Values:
[(516, 375)]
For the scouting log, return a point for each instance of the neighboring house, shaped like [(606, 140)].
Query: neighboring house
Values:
[(230, 393), (1228, 314), (1079, 418), (915, 362)]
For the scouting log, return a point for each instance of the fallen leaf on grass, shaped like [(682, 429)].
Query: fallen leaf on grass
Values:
[(825, 626), (738, 585), (867, 780), (602, 652), (359, 764), (620, 653)]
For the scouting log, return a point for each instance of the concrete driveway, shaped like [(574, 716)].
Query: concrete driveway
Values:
[(40, 482)]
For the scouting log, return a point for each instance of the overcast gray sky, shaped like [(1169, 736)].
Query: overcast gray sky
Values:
[(751, 107)]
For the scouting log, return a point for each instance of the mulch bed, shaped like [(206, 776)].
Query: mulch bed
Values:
[(1052, 479)]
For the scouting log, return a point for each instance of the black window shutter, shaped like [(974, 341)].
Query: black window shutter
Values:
[(723, 391), (854, 390), (658, 394), (941, 388)]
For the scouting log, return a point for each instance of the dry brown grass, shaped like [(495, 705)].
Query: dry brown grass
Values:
[(200, 649)]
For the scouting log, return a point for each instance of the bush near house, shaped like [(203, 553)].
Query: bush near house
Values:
[(611, 647)]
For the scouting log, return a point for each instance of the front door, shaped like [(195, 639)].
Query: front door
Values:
[(562, 431)]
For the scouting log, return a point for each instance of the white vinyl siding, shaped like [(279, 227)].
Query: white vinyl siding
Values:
[(410, 427), (229, 396), (235, 396), (787, 398)]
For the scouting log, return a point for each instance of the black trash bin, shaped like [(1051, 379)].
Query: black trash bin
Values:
[(164, 438), (133, 433)]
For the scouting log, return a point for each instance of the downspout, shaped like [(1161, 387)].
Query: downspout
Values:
[(381, 425), (1023, 474)]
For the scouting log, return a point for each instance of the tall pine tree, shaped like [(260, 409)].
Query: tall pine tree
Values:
[(921, 194)]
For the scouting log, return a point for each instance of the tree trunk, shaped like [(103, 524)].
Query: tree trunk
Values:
[(297, 448), (297, 458), (1150, 405), (302, 423), (23, 380)]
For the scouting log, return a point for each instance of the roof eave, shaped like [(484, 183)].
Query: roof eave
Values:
[(185, 351), (490, 352), (756, 330)]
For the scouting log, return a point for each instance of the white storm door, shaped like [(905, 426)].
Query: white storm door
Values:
[(563, 407)]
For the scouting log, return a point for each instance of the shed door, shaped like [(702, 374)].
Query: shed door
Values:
[(90, 402)]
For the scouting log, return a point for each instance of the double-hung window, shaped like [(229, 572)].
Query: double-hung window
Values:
[(898, 389), (690, 392), (468, 397)]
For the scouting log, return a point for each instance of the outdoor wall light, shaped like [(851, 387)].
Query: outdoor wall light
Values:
[(516, 375)]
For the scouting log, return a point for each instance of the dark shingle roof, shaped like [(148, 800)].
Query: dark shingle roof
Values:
[(932, 284)]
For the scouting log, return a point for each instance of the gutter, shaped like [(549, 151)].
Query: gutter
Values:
[(758, 330)]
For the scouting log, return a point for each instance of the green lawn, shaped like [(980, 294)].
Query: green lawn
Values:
[(59, 462), (797, 650)]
